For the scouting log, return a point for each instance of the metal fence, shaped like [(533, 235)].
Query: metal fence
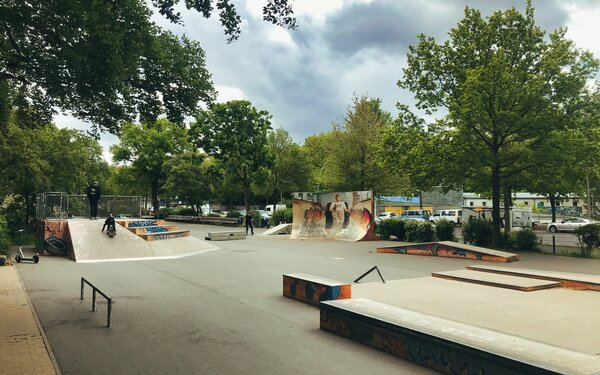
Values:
[(51, 206), (120, 206), (61, 206)]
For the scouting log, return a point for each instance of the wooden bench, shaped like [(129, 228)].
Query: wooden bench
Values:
[(314, 289), (448, 346), (226, 235)]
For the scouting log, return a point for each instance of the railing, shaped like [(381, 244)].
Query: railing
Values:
[(108, 299), (120, 206), (61, 206), (368, 272), (52, 206)]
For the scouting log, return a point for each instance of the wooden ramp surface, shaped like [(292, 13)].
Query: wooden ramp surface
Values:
[(573, 280), (497, 280)]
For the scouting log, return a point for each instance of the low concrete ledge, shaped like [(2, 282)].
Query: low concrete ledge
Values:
[(523, 284), (448, 346), (226, 235), (313, 289), (566, 279)]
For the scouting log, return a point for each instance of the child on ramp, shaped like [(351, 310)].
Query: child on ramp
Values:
[(110, 225)]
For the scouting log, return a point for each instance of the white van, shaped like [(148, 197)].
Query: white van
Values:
[(451, 215), (274, 207)]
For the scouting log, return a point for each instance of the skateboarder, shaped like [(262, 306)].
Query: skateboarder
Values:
[(110, 224), (249, 223), (93, 194)]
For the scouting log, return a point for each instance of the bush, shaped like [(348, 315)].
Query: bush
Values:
[(282, 216), (589, 238), (526, 240), (184, 211), (234, 214), (4, 238), (444, 230), (418, 231), (213, 214), (390, 227), (163, 212), (478, 232)]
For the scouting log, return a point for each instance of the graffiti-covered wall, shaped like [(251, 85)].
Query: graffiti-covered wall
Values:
[(341, 215)]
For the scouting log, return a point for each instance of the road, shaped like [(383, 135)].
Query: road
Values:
[(222, 312)]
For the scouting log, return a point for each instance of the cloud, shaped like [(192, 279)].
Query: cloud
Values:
[(306, 78)]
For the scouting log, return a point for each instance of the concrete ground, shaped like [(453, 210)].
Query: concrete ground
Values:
[(222, 312)]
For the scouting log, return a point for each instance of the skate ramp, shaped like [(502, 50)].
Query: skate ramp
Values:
[(279, 229), (346, 216), (89, 244)]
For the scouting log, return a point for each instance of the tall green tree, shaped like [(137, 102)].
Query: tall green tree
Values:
[(290, 170), (236, 134), (347, 157), (148, 148), (505, 86), (193, 178)]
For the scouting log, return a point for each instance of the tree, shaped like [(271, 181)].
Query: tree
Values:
[(236, 134), (290, 170), (505, 87), (346, 158), (149, 147), (192, 178), (104, 62)]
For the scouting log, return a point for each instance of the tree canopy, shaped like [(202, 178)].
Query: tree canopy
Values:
[(506, 88), (104, 62), (236, 134)]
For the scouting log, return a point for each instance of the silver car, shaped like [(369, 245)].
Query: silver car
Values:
[(569, 224)]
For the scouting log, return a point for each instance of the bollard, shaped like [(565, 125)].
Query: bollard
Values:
[(553, 245)]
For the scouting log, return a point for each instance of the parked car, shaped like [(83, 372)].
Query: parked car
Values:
[(569, 225), (451, 215), (385, 215), (419, 215)]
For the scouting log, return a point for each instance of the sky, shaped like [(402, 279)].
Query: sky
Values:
[(306, 78)]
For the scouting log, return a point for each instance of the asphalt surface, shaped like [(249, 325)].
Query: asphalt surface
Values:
[(223, 312)]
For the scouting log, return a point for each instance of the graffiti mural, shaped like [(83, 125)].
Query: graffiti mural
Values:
[(342, 215), (456, 250), (312, 291)]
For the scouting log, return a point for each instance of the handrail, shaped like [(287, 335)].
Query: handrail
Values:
[(368, 272), (108, 299)]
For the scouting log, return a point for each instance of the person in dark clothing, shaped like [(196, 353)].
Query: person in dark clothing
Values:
[(93, 194), (249, 223), (110, 223)]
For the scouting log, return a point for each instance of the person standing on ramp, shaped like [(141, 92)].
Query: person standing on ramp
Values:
[(93, 194)]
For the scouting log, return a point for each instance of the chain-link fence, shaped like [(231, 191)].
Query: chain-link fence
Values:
[(120, 206), (60, 206), (51, 206)]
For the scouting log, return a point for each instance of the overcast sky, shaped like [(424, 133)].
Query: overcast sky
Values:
[(306, 78)]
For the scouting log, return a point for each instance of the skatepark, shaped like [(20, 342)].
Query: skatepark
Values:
[(217, 307)]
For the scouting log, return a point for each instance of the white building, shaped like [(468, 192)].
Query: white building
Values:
[(522, 200)]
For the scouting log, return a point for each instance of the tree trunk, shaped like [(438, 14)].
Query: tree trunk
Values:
[(246, 183), (507, 211), (552, 198), (496, 238), (155, 202)]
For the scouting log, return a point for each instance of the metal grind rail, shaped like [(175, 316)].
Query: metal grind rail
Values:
[(108, 299), (375, 268)]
